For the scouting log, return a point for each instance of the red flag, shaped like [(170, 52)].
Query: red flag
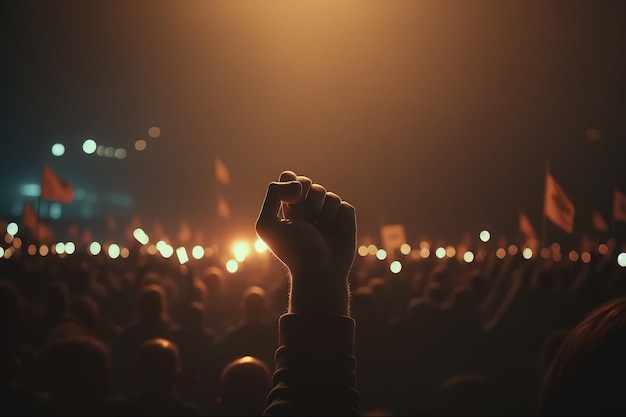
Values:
[(221, 172), (557, 207), (598, 223), (55, 188), (223, 211), (527, 229), (29, 218), (619, 206)]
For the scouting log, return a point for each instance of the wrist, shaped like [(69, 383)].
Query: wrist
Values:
[(319, 296)]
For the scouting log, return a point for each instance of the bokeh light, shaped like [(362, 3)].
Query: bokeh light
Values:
[(140, 144), (70, 248), (181, 254), (60, 248), (89, 146), (603, 249), (109, 152), (513, 250), (232, 266), (362, 251), (43, 250), (372, 249), (120, 153), (621, 259), (545, 253), (154, 132), (527, 253), (585, 257), (395, 267), (17, 243), (124, 253), (500, 253), (485, 236), (1, 251), (573, 256), (381, 254), (58, 149), (468, 256), (95, 248), (260, 246), (405, 249), (440, 252), (32, 249), (450, 251), (12, 228), (241, 250), (424, 252), (114, 250), (197, 252), (166, 251), (141, 236)]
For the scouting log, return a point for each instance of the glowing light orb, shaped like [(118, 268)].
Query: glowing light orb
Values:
[(89, 146), (58, 149), (485, 236), (395, 267), (12, 228), (95, 248), (381, 254), (232, 266), (197, 252), (114, 251)]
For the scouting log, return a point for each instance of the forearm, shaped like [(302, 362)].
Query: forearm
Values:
[(315, 367)]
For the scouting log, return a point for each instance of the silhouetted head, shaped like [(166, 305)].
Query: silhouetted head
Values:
[(11, 322), (435, 293), (550, 348), (76, 369), (86, 311), (57, 301), (157, 365), (244, 386), (587, 376), (213, 279), (466, 395), (194, 316), (152, 306), (254, 304)]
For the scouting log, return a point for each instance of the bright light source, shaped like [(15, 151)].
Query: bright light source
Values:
[(43, 250), (181, 253), (450, 251), (585, 257), (114, 251), (1, 251), (12, 228), (527, 253), (232, 266), (603, 249), (141, 236), (573, 256), (440, 252), (8, 252), (95, 248), (500, 253), (167, 251), (60, 248), (89, 146), (362, 250), (124, 253), (621, 259), (424, 252), (120, 153), (485, 236), (70, 248), (154, 132), (54, 211), (8, 238), (468, 256), (58, 149), (381, 254), (32, 249), (241, 250), (160, 245), (140, 144), (395, 267), (372, 249), (17, 243), (197, 252), (260, 246), (405, 249)]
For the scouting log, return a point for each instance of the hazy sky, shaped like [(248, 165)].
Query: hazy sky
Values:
[(436, 114)]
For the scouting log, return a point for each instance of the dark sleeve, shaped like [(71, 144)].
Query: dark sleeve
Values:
[(315, 367)]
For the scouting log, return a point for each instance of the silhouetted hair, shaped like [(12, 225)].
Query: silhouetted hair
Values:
[(152, 303), (244, 386), (587, 376), (254, 304), (157, 364)]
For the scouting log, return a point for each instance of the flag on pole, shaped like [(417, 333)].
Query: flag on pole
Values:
[(619, 206), (223, 211), (598, 223), (221, 172), (530, 237), (392, 236), (557, 207), (55, 188), (29, 218)]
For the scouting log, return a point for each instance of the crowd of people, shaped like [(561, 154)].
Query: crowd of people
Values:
[(90, 335)]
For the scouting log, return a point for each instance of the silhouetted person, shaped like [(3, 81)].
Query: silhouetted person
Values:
[(587, 375), (153, 323), (315, 363), (156, 367), (244, 385), (76, 376)]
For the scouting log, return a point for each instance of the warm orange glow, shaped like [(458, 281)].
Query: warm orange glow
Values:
[(124, 253), (585, 257), (372, 249), (545, 253), (500, 253), (603, 249), (557, 256), (43, 250), (154, 132), (241, 250), (152, 250), (8, 238), (362, 250), (32, 249), (17, 243), (556, 247), (232, 266), (260, 246), (405, 249), (468, 256), (573, 256), (513, 250), (140, 145), (424, 252), (450, 251), (8, 253)]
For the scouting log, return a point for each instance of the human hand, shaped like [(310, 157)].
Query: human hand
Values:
[(316, 240)]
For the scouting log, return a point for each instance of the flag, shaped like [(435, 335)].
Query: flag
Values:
[(557, 207), (527, 229), (29, 218), (221, 172), (184, 233), (223, 211), (619, 206), (392, 236), (598, 223), (54, 187)]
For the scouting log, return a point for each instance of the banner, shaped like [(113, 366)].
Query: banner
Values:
[(55, 188), (392, 236), (619, 206), (598, 223), (557, 207)]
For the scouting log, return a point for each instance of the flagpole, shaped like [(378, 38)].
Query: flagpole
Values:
[(544, 222)]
